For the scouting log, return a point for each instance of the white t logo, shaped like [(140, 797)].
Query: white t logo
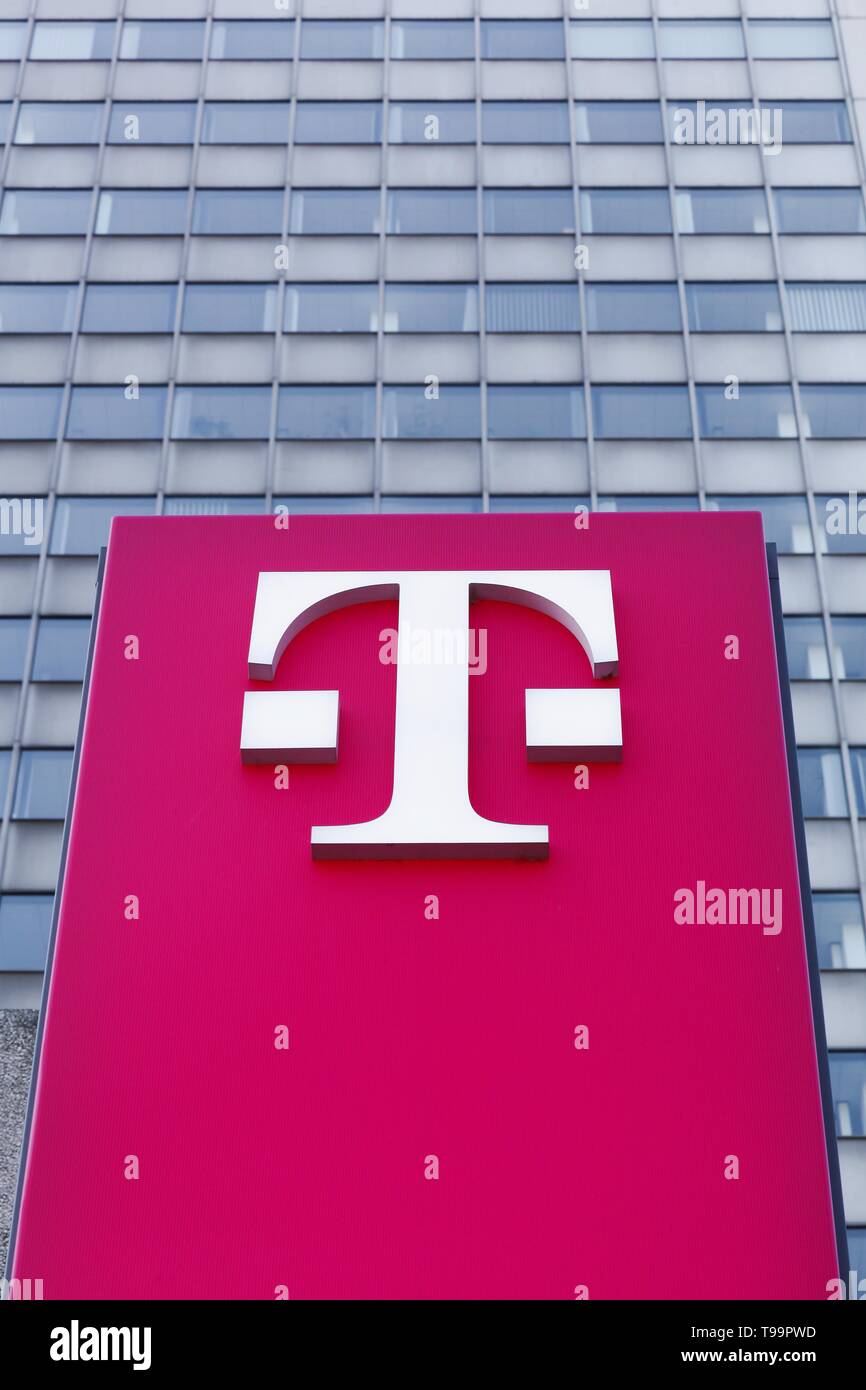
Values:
[(430, 815)]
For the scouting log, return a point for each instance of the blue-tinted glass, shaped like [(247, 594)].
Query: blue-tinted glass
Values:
[(525, 123), (839, 307), (751, 307), (408, 414), (521, 39), (152, 123), (141, 212), (857, 1250), (427, 506), (529, 210), (29, 412), (25, 930), (81, 524), (641, 412), (5, 113), (22, 521), (338, 123), (335, 211), (724, 123), (538, 504), (253, 38), (849, 640), (721, 211), (331, 308), (13, 650), (701, 38), (786, 519), (245, 123), (45, 212), (839, 930), (432, 38), (162, 39), (431, 122), (848, 1081), (106, 412), (624, 211), (821, 211), (533, 308), (59, 123), (842, 524), (214, 506), (5, 764), (129, 309), (42, 788), (78, 42), (628, 308), (806, 647), (431, 308), (326, 412), (221, 412), (822, 785), (61, 649), (12, 37), (629, 505), (618, 122), (791, 38), (342, 38), (37, 308), (221, 211), (535, 412), (327, 506), (230, 309), (834, 412), (812, 122), (432, 211), (759, 412), (617, 38), (858, 770)]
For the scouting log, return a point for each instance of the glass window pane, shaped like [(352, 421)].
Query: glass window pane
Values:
[(152, 123), (214, 506), (37, 308), (59, 123), (834, 412), (533, 308), (858, 769), (822, 785), (61, 649), (104, 412), (641, 412), (81, 524), (25, 931), (432, 38), (230, 309), (806, 647), (257, 38), (701, 38), (536, 412), (42, 788), (326, 506), (5, 114), (792, 38), (751, 307), (538, 504), (839, 931), (721, 211), (129, 309), (428, 506), (232, 211), (822, 211), (342, 38), (13, 650), (760, 412), (335, 211), (618, 122), (29, 412), (525, 123), (162, 39), (841, 524), (327, 412), (848, 1082), (786, 519), (629, 505), (432, 211), (622, 211), (828, 308), (431, 308), (338, 123), (331, 309), (849, 642), (616, 38), (813, 122), (13, 35), (22, 522), (77, 42), (245, 123), (221, 412), (430, 122), (408, 414), (141, 212), (529, 210), (630, 308), (45, 212), (522, 39)]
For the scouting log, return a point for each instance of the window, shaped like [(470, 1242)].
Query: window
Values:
[(761, 412), (335, 211), (141, 212), (29, 412), (81, 524), (536, 412), (342, 38), (13, 651), (59, 123), (828, 308), (721, 211), (420, 506), (849, 641), (25, 930), (791, 38), (641, 412), (751, 307), (806, 648), (327, 506), (42, 788), (152, 123), (12, 39), (327, 412), (624, 211), (425, 211), (525, 123), (522, 39), (144, 308), (629, 505), (820, 211), (331, 308), (618, 122), (533, 308), (857, 1248), (822, 785), (257, 38), (221, 412), (432, 38), (858, 769), (538, 504), (408, 414), (162, 40), (431, 308), (103, 412), (431, 122), (839, 931), (214, 506), (21, 521), (529, 211), (630, 308), (221, 211), (5, 113), (834, 412), (617, 38), (37, 308), (75, 42), (338, 123), (245, 123), (61, 649), (230, 309), (812, 122), (701, 38), (44, 212), (786, 519), (848, 1081)]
